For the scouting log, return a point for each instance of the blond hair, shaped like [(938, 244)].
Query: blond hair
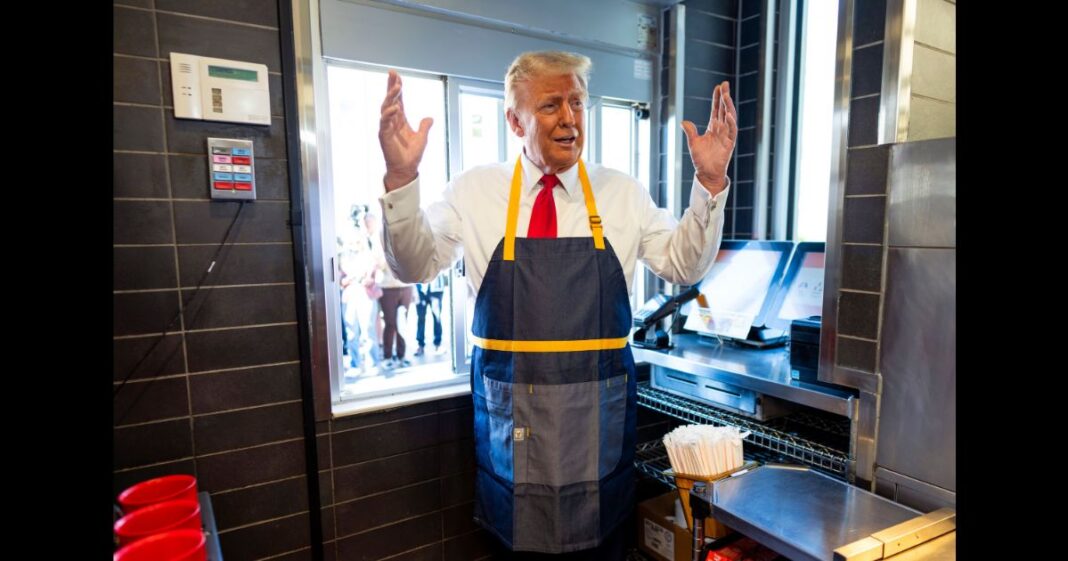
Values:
[(543, 63)]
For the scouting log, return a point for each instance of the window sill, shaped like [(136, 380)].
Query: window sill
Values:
[(402, 397)]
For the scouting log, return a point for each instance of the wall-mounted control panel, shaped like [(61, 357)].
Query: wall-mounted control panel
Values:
[(231, 169), (215, 89)]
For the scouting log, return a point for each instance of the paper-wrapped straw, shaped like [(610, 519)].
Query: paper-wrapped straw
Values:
[(704, 450)]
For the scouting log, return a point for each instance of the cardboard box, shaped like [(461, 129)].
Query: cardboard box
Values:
[(658, 535)]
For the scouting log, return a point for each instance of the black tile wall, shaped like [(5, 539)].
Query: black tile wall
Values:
[(867, 75), (142, 268), (858, 314), (742, 193), (260, 12), (247, 427), (248, 387), (152, 443), (266, 539), (207, 222), (746, 88), (136, 80), (744, 167), (857, 354), (862, 220), (749, 57), (709, 57), (150, 400), (701, 84), (866, 170), (142, 222), (247, 305), (137, 128), (751, 32), (134, 32), (233, 348), (750, 8), (869, 21), (364, 444), (864, 121), (260, 502), (747, 114), (240, 468), (864, 217), (386, 508), (143, 357), (236, 264), (145, 312), (728, 8), (392, 539), (428, 553), (230, 414), (746, 143), (354, 481), (475, 545), (139, 175), (708, 27), (862, 267)]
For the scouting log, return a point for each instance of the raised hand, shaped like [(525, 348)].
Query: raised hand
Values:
[(711, 151), (401, 145)]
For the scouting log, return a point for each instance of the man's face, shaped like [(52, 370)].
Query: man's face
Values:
[(550, 117)]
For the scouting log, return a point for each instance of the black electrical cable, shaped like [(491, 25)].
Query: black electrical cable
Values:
[(196, 291)]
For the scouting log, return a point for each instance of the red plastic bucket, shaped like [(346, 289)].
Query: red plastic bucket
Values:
[(157, 518), (166, 488), (178, 545)]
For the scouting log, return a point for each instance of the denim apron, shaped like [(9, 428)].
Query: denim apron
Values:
[(554, 388)]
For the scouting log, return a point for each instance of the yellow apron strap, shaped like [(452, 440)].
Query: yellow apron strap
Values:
[(513, 209), (591, 207), (550, 346)]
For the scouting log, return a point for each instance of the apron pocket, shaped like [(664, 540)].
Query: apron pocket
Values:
[(562, 433), (498, 404), (613, 418)]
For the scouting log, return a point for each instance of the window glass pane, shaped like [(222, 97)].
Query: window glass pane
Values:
[(617, 138), (367, 287), (816, 119), (481, 121)]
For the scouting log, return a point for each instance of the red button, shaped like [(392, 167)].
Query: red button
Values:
[(242, 160), (224, 185), (243, 186)]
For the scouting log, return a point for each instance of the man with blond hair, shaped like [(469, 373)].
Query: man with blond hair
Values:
[(550, 244)]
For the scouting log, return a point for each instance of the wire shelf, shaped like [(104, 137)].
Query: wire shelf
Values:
[(764, 435), (651, 459)]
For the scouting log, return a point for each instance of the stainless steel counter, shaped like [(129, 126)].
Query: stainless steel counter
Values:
[(765, 371), (805, 515)]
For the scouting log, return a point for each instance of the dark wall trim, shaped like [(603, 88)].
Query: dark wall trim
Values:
[(296, 223)]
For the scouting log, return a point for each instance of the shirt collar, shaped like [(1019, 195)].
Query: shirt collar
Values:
[(569, 178)]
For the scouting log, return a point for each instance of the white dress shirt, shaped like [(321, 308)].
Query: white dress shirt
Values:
[(473, 210)]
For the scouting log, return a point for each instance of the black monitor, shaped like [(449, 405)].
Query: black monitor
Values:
[(801, 295), (739, 288)]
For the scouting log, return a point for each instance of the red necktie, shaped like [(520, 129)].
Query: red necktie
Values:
[(543, 216)]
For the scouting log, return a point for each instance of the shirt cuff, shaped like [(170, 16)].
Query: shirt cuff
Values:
[(400, 203), (701, 198)]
